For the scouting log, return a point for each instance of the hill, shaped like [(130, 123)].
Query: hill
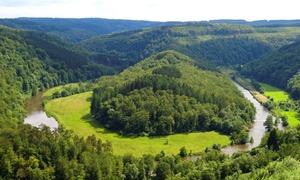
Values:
[(32, 61), (221, 43), (279, 68), (167, 94), (75, 30)]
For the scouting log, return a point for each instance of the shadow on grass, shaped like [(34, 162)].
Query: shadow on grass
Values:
[(297, 116), (88, 118), (89, 99), (99, 128)]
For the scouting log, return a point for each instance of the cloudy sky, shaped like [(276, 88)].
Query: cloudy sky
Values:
[(155, 10)]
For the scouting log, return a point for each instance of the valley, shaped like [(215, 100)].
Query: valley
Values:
[(135, 99)]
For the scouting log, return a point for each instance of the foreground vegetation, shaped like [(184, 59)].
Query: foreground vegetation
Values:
[(27, 152)]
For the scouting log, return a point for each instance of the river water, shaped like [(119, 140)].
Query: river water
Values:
[(257, 130), (36, 114)]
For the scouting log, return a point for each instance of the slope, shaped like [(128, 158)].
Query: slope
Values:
[(31, 61), (167, 94), (221, 43), (278, 68)]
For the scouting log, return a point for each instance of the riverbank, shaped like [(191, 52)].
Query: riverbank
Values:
[(257, 130), (246, 83), (273, 94)]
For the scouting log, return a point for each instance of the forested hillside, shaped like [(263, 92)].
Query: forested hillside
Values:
[(75, 30), (31, 61), (279, 68), (221, 43), (168, 94)]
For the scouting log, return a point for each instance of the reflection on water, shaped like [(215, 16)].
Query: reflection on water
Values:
[(257, 130), (38, 118), (36, 114)]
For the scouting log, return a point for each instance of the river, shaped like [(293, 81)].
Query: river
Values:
[(257, 129), (36, 114)]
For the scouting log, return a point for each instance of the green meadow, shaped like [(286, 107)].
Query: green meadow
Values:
[(276, 93), (49, 92), (280, 95), (73, 113), (293, 117)]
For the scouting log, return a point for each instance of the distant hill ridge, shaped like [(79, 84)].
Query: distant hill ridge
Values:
[(78, 29), (74, 30)]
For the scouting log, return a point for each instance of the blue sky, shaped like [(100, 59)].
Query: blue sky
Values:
[(154, 10)]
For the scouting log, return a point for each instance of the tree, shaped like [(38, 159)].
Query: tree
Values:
[(163, 171), (208, 174), (273, 140), (148, 164), (269, 123), (183, 152), (64, 93), (131, 171), (284, 120), (56, 94)]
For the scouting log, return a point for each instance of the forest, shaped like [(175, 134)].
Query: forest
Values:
[(160, 98), (221, 44), (160, 80)]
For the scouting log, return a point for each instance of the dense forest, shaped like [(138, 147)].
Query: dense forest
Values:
[(166, 93), (220, 43)]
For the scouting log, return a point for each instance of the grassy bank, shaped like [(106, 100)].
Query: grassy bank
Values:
[(276, 93), (74, 113), (293, 117), (280, 95)]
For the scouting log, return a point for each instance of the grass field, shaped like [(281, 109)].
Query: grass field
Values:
[(49, 92), (293, 117), (276, 93), (280, 95), (73, 113)]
